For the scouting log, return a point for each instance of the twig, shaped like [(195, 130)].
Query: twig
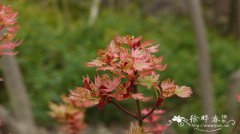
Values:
[(157, 104), (149, 113), (124, 110)]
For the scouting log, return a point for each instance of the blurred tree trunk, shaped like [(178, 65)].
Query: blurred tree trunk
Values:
[(17, 95), (238, 19), (110, 3), (204, 66), (155, 7), (234, 89), (221, 12), (234, 18), (234, 86), (94, 12), (144, 7), (123, 5), (209, 12), (151, 7)]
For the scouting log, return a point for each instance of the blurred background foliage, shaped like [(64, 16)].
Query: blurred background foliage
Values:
[(57, 42)]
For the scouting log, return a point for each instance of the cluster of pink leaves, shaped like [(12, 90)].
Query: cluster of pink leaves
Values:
[(8, 30), (131, 63), (71, 117)]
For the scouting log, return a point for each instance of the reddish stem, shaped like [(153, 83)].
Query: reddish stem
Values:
[(158, 103), (124, 110), (149, 113)]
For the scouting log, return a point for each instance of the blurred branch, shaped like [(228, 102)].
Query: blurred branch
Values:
[(17, 93), (10, 121), (234, 88), (234, 18), (6, 117)]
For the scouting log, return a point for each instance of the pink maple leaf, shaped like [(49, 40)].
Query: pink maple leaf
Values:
[(139, 96), (168, 88), (95, 63), (111, 84), (136, 42), (183, 91)]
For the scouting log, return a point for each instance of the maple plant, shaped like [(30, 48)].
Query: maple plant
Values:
[(8, 29), (125, 64)]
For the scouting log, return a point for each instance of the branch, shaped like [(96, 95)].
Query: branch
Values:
[(149, 113), (139, 117), (139, 113), (158, 103), (124, 110)]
